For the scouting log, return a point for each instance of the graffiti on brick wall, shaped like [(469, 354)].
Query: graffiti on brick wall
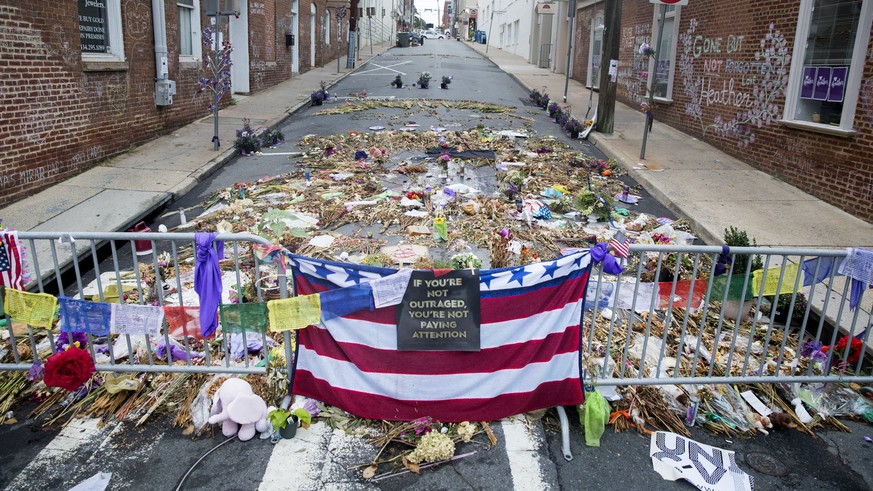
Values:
[(750, 88), (137, 20), (633, 76), (43, 99), (867, 99), (52, 170)]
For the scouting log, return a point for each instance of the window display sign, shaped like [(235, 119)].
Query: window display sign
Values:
[(93, 26), (838, 84)]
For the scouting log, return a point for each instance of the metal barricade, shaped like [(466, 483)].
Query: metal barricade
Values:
[(61, 263), (707, 328), (702, 328)]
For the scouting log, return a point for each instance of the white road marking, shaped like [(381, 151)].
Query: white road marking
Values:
[(62, 449), (522, 450), (297, 463), (362, 72)]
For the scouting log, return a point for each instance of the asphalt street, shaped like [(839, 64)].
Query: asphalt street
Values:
[(528, 453)]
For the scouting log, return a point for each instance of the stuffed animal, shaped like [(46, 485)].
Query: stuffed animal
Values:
[(239, 410)]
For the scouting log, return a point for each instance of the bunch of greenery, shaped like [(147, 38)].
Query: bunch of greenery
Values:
[(246, 139), (735, 237)]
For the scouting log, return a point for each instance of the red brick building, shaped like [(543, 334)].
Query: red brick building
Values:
[(77, 79), (781, 85)]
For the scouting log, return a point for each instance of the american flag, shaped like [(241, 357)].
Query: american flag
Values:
[(529, 337), (10, 260), (618, 243)]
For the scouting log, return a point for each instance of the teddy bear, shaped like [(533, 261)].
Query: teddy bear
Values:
[(239, 410)]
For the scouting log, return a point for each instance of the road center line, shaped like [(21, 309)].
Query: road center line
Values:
[(523, 456)]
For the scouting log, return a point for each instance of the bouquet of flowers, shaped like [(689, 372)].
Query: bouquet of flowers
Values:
[(647, 50)]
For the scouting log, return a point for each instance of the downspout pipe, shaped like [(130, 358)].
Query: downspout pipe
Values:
[(160, 26)]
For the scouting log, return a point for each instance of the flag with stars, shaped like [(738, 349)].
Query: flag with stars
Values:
[(529, 338), (10, 260), (618, 243)]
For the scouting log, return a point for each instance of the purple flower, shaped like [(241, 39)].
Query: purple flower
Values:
[(813, 351), (64, 340), (36, 371), (312, 407), (422, 425)]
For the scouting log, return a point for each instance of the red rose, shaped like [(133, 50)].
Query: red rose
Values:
[(69, 369), (840, 348)]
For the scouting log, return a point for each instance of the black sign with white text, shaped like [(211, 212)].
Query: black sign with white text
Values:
[(439, 313)]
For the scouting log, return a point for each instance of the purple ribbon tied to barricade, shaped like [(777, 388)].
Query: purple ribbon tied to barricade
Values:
[(600, 254), (207, 280)]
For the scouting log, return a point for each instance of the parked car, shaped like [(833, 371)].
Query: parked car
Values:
[(431, 34), (417, 37)]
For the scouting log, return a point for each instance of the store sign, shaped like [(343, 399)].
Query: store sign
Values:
[(547, 8), (93, 26), (439, 313)]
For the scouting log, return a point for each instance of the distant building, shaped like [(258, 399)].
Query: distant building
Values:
[(780, 85), (84, 81)]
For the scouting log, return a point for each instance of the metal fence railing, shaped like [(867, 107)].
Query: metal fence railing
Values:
[(775, 315), (145, 268), (675, 315)]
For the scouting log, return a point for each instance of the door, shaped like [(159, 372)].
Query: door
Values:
[(295, 31), (239, 39)]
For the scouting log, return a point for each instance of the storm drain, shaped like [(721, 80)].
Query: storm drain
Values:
[(766, 464)]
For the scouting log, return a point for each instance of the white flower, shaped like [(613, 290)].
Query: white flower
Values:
[(433, 447)]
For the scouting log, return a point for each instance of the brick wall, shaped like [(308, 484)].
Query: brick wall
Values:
[(717, 85), (60, 116)]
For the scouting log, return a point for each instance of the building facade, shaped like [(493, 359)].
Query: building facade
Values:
[(784, 85), (83, 81)]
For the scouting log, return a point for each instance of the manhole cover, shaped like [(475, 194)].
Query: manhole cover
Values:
[(766, 464)]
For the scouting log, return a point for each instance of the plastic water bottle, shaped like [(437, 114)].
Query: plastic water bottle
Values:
[(691, 415)]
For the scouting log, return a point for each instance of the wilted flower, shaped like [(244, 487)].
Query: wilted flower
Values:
[(433, 447)]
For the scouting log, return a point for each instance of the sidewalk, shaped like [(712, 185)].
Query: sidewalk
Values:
[(116, 194), (699, 182)]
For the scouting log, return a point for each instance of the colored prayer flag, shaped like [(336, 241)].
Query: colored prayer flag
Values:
[(36, 309), (290, 314), (243, 317), (344, 301), (771, 286), (618, 243), (184, 321), (11, 266), (136, 319), (683, 296), (529, 347), (721, 290), (80, 316)]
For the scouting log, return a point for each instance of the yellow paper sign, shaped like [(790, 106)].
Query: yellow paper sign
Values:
[(290, 314), (36, 309), (792, 271)]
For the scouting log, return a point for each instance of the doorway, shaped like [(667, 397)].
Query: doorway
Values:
[(295, 31), (239, 39)]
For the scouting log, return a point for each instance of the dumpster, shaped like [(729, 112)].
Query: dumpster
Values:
[(403, 39)]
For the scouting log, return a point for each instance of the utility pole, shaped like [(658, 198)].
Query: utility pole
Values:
[(572, 15), (608, 78)]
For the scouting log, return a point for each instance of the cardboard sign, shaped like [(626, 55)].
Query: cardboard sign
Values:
[(439, 313)]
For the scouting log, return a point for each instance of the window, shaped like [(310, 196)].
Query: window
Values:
[(515, 39), (190, 44), (508, 34), (595, 52), (663, 77), (100, 34), (827, 63), (327, 27)]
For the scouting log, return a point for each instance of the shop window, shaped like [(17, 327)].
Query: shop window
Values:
[(827, 63), (595, 51), (190, 44), (100, 34), (663, 86)]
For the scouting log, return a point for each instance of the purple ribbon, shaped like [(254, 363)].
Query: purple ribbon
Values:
[(207, 280), (600, 254)]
